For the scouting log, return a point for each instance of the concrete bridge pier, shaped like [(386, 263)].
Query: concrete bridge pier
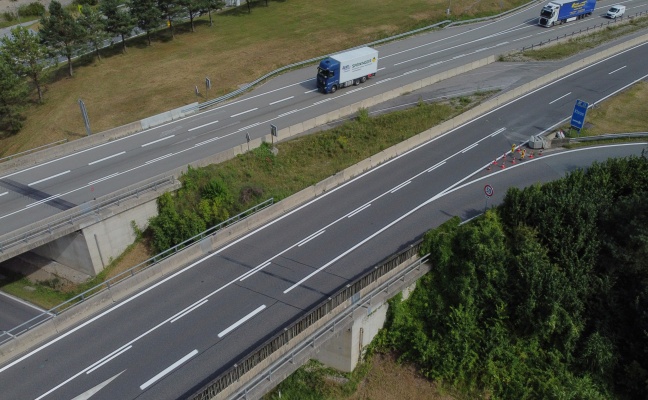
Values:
[(88, 250), (344, 351)]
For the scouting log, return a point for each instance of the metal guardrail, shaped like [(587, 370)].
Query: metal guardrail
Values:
[(303, 350), (586, 30), (69, 217), (611, 136), (32, 150), (350, 291), (5, 336)]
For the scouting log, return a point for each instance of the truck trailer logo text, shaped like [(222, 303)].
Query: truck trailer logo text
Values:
[(360, 64)]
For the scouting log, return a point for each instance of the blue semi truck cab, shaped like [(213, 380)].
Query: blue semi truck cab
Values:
[(352, 67), (561, 11)]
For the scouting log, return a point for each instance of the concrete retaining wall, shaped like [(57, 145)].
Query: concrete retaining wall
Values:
[(169, 116)]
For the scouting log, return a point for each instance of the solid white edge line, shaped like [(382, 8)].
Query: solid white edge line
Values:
[(254, 271), (311, 237), (497, 132), (106, 360), (202, 126), (244, 112), (435, 166), (188, 310), (399, 187), (157, 141), (472, 146), (106, 158), (51, 177), (242, 321), (167, 370), (357, 210)]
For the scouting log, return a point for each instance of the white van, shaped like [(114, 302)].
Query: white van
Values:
[(615, 11)]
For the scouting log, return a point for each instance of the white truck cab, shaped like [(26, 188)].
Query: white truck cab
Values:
[(616, 11)]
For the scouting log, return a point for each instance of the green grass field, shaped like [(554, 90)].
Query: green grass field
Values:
[(239, 48)]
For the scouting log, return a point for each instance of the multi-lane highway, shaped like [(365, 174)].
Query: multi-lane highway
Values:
[(31, 194), (169, 339)]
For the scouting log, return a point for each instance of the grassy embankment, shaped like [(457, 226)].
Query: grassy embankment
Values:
[(240, 47)]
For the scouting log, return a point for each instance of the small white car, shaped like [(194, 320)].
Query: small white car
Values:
[(615, 11)]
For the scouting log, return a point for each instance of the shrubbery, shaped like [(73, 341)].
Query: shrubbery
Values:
[(543, 297)]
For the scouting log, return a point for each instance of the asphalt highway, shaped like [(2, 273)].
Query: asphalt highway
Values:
[(29, 195), (171, 338)]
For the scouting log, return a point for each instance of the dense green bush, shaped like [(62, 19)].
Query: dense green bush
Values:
[(543, 297), (31, 9)]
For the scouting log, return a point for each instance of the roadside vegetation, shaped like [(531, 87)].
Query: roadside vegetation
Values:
[(544, 296), (624, 113), (577, 44), (124, 87)]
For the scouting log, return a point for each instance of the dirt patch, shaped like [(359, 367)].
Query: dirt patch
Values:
[(388, 380), (140, 252)]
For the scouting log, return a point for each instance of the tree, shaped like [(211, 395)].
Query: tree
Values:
[(249, 7), (193, 8), (119, 21), (61, 32), (95, 26), (147, 15), (13, 97), (170, 10), (25, 54), (212, 5)]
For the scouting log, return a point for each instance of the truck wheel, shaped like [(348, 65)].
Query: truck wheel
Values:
[(356, 82), (333, 88), (363, 79)]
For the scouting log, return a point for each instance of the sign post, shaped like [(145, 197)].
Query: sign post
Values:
[(578, 116), (247, 138), (273, 133), (84, 113), (489, 192)]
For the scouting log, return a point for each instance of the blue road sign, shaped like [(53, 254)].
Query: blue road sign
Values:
[(578, 116)]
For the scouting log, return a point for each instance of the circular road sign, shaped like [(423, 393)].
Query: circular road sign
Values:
[(488, 189)]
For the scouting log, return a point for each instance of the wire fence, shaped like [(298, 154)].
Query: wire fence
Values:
[(107, 284), (586, 30)]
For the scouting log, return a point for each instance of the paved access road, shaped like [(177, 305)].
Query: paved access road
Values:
[(29, 195), (173, 337)]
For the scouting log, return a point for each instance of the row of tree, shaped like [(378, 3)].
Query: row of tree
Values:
[(543, 297), (66, 34)]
